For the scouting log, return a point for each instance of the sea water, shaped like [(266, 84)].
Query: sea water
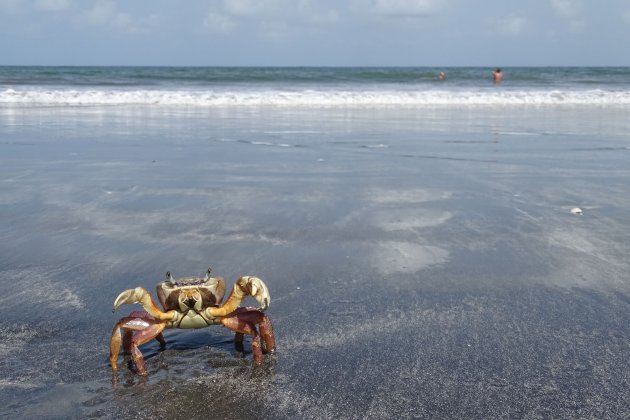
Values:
[(415, 234), (322, 87)]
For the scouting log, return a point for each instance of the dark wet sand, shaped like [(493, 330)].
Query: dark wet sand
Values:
[(422, 263)]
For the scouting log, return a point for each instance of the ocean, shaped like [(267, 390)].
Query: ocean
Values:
[(308, 87), (418, 237)]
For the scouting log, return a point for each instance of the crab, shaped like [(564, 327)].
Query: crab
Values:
[(192, 302)]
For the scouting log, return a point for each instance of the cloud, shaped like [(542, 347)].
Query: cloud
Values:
[(129, 24), (324, 18), (276, 30), (51, 5), (104, 13), (303, 10), (567, 8), (398, 8), (571, 10), (100, 14), (219, 23), (313, 14), (510, 26), (254, 7), (274, 19)]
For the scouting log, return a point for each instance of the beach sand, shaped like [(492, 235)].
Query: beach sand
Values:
[(423, 263)]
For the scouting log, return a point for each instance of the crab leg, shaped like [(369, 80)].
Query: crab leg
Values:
[(141, 296), (140, 338), (266, 332), (128, 334), (138, 329), (245, 286), (244, 321)]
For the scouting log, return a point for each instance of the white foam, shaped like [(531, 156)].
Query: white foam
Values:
[(19, 384), (38, 286), (14, 339), (405, 196), (313, 98)]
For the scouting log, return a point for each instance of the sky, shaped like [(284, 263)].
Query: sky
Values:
[(315, 32)]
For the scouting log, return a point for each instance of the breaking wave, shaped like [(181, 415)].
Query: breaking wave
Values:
[(312, 97)]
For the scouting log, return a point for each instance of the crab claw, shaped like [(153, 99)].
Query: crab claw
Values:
[(128, 296), (256, 288)]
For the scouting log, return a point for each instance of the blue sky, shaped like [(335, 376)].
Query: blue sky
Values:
[(315, 32)]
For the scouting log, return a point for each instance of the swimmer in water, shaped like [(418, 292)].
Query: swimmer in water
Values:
[(497, 76)]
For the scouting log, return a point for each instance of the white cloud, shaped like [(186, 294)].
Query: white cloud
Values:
[(51, 5), (510, 26), (129, 24), (324, 18), (399, 8), (216, 22), (277, 19), (312, 13), (253, 7), (571, 10), (104, 13), (276, 30), (100, 14), (567, 8)]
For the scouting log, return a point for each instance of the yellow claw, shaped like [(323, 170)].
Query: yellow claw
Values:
[(256, 288), (129, 296), (140, 296), (245, 286)]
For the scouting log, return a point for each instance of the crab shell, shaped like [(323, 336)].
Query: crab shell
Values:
[(188, 293)]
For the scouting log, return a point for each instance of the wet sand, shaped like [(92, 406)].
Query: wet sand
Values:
[(422, 263)]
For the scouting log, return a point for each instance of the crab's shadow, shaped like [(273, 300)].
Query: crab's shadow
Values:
[(192, 352)]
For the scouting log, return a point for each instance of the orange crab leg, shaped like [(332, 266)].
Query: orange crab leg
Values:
[(244, 327), (266, 332), (140, 338), (128, 334), (145, 327), (244, 321), (126, 341)]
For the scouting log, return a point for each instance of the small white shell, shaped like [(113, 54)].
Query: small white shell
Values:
[(576, 210)]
